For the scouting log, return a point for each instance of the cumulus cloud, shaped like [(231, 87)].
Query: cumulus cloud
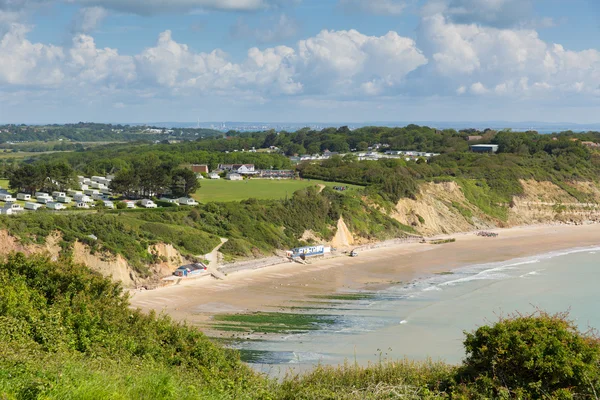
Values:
[(511, 61), (379, 7), (331, 62), (269, 30), (28, 64)]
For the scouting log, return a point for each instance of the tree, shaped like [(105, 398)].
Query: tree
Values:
[(125, 182), (184, 182), (28, 179)]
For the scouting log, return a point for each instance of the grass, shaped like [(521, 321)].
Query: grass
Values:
[(20, 155), (3, 183), (346, 296), (263, 189), (270, 322)]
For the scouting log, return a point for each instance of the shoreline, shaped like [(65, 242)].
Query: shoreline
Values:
[(269, 287)]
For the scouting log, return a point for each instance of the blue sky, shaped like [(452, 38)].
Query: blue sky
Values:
[(299, 60)]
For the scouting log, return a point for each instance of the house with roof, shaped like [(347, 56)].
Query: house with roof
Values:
[(243, 169)]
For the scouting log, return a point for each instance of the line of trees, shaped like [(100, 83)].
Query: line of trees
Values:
[(30, 178), (150, 177)]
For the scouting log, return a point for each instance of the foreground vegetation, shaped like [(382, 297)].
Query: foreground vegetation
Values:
[(67, 333)]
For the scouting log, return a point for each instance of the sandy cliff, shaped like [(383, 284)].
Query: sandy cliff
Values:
[(442, 208)]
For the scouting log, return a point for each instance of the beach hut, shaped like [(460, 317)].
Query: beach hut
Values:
[(23, 196), (32, 206)]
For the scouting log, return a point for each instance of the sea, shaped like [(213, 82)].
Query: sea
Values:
[(428, 318)]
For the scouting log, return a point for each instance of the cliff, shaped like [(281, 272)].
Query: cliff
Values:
[(443, 208)]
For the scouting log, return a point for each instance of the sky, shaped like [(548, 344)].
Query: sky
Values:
[(144, 61)]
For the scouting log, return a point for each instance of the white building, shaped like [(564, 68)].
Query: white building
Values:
[(7, 197), (13, 207), (129, 203), (74, 192), (109, 204), (82, 205), (148, 203), (234, 176), (55, 206), (42, 194), (59, 194), (82, 198), (186, 201), (214, 175), (23, 196), (44, 200), (91, 192), (32, 206), (64, 199)]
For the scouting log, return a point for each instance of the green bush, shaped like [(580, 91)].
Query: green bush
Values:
[(537, 356)]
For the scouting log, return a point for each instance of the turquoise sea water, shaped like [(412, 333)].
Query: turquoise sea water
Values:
[(426, 318)]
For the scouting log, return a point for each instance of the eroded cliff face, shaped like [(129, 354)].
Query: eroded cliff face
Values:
[(114, 266), (442, 208)]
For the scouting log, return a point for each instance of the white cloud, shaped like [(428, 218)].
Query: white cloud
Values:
[(380, 7), (28, 64), (88, 19), (332, 62), (511, 61), (89, 64)]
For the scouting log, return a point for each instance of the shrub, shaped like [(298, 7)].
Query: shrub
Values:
[(536, 356)]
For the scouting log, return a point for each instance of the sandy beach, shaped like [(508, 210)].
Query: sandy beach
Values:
[(269, 288)]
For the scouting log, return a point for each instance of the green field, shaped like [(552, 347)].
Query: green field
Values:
[(3, 183), (224, 190)]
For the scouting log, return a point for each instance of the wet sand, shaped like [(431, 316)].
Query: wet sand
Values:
[(270, 288)]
